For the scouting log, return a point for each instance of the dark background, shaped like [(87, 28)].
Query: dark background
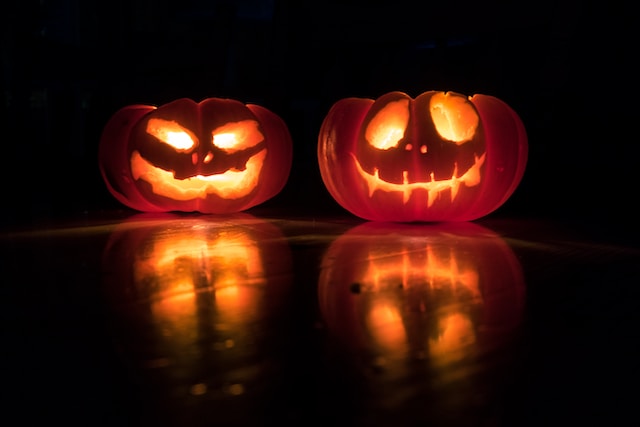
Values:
[(565, 66)]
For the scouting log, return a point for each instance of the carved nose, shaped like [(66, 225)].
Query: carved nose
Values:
[(207, 158)]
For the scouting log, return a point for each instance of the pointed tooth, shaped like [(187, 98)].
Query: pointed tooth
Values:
[(372, 183), (431, 197), (406, 193), (432, 194), (455, 186)]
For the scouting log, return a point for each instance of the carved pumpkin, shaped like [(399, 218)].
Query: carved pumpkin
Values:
[(217, 156), (197, 301), (439, 157), (437, 293)]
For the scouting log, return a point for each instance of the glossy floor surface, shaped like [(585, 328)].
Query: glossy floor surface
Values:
[(186, 320)]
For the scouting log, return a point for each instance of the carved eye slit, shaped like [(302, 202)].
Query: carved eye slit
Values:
[(237, 136), (388, 126), (171, 133), (454, 117)]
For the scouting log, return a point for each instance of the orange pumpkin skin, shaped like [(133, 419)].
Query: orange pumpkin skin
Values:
[(439, 157), (217, 156)]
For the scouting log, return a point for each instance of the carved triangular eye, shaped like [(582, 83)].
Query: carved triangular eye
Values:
[(237, 136), (454, 117), (172, 134), (388, 126)]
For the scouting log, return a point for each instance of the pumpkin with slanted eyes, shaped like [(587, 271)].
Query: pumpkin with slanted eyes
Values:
[(439, 157), (217, 156)]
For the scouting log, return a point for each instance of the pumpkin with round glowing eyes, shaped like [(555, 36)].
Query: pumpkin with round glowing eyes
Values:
[(217, 156), (439, 157)]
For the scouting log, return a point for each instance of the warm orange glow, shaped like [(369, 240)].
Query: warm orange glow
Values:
[(455, 118), (445, 271), (455, 336), (241, 269), (171, 133), (227, 268), (385, 324), (419, 265), (422, 302), (237, 303), (236, 257), (470, 178), (199, 298), (176, 319), (232, 184), (237, 135), (440, 276), (177, 261), (387, 128)]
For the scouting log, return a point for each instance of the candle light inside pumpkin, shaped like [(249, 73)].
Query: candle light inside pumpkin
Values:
[(217, 156), (439, 157)]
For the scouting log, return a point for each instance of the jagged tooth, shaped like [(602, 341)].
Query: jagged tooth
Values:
[(431, 197), (371, 183), (406, 194), (455, 186), (432, 194)]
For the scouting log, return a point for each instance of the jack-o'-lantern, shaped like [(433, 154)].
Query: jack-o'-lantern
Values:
[(439, 157), (196, 302), (218, 156), (412, 299)]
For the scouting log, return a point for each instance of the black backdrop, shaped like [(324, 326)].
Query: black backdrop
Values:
[(565, 66)]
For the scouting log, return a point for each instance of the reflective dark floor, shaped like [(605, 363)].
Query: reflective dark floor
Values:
[(128, 319)]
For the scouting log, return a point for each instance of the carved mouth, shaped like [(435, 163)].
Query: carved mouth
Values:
[(470, 178), (232, 184)]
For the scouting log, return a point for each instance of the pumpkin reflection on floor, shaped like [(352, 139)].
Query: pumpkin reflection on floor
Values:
[(420, 306), (194, 296)]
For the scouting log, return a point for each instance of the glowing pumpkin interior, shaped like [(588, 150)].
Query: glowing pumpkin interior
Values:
[(444, 282), (227, 162), (437, 294), (455, 120), (178, 271), (196, 298)]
